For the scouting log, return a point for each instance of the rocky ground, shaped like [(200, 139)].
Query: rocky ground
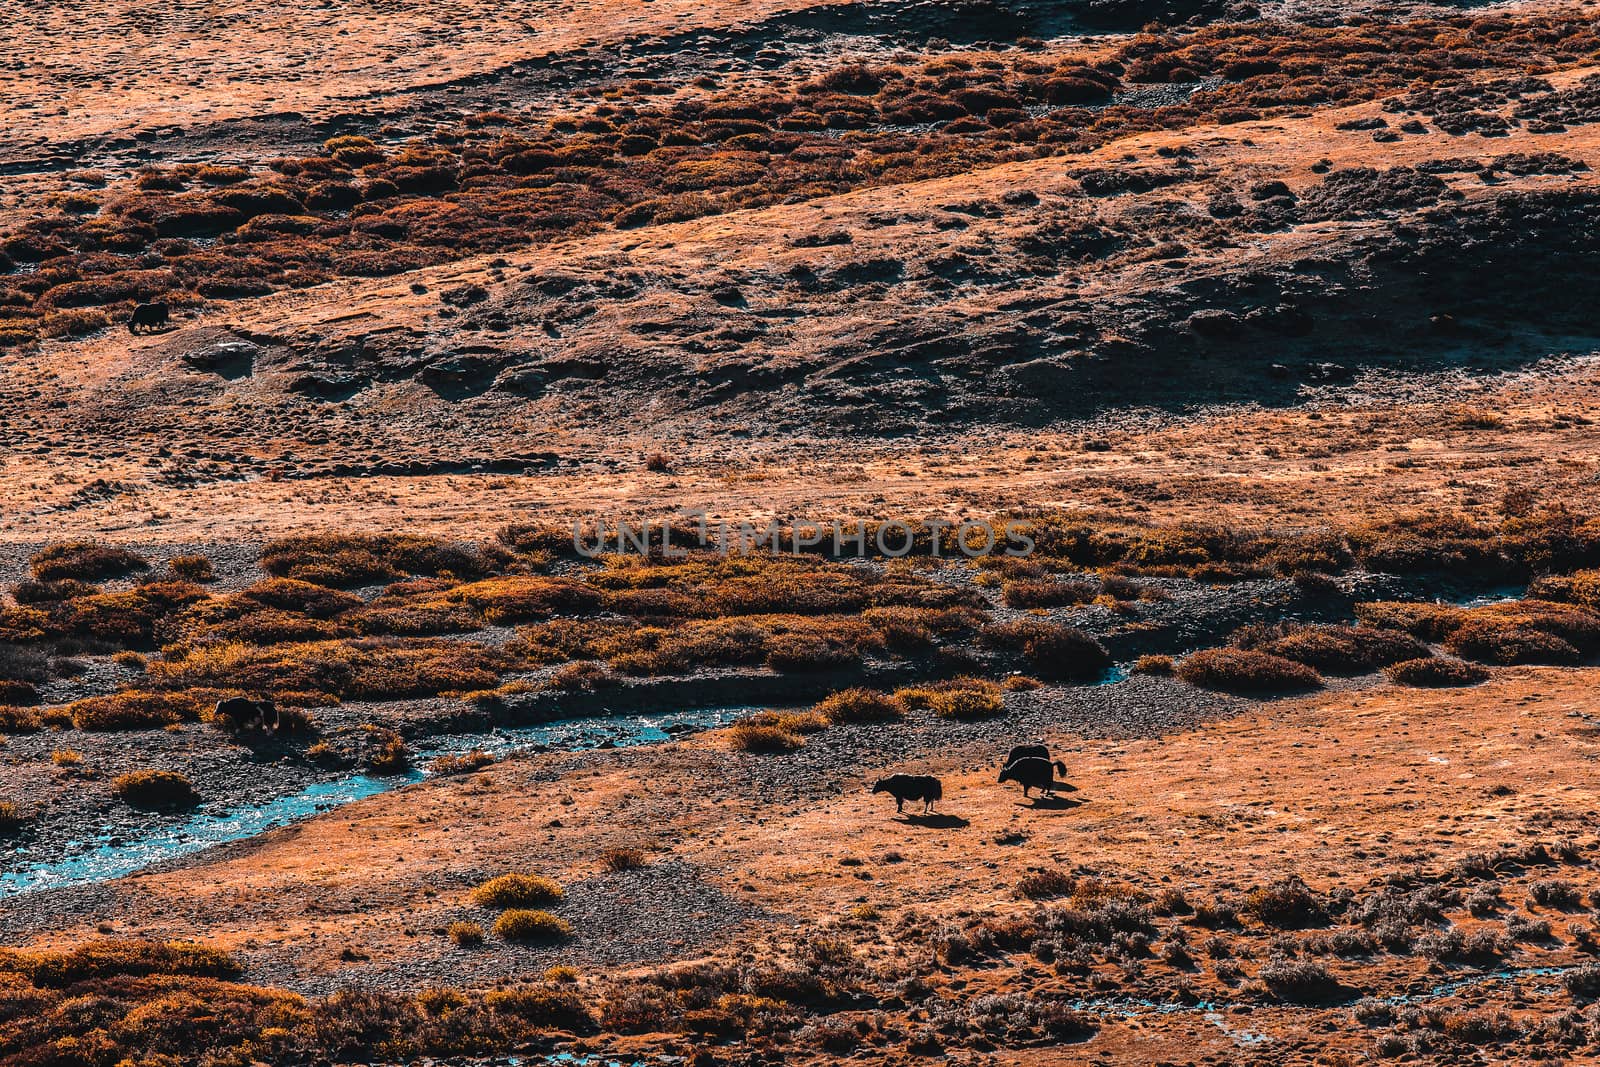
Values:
[(1292, 267)]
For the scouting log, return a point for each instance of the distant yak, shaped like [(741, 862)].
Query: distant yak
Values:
[(151, 316), (247, 713), (904, 787), (1032, 772)]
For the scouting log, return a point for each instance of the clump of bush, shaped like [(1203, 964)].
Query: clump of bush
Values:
[(775, 731), (963, 699), (387, 753), (518, 891), (12, 817), (1299, 981), (1046, 593), (622, 858), (1238, 670), (191, 568), (464, 763), (16, 720), (1435, 672), (1042, 885), (465, 934), (1338, 649), (858, 705), (134, 710), (524, 924), (155, 789), (84, 560), (1288, 904), (1053, 649), (345, 559), (1152, 664)]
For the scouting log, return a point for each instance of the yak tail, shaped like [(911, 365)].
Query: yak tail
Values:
[(1061, 768), (937, 789)]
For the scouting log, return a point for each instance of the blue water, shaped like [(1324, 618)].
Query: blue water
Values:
[(114, 856)]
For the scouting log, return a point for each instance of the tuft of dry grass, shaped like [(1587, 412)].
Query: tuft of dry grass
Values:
[(12, 817), (523, 924), (155, 789), (962, 699), (1435, 671), (134, 710), (84, 560), (1236, 670), (858, 705), (518, 890), (465, 934), (464, 763), (623, 858)]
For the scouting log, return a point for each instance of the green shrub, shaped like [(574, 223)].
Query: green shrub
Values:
[(518, 891)]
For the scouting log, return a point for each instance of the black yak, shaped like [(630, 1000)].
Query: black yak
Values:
[(904, 787), (149, 316), (1031, 772), (247, 713)]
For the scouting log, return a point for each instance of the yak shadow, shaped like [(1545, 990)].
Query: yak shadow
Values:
[(1052, 803), (933, 820)]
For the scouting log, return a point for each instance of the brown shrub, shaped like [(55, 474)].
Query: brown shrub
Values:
[(1342, 649), (155, 789), (347, 559), (858, 705), (1435, 671), (622, 858), (1054, 650), (84, 560), (520, 924), (963, 699), (133, 710), (518, 890), (191, 568), (1234, 670), (15, 720), (1047, 593)]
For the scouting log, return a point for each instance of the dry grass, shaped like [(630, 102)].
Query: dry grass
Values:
[(155, 789), (521, 924), (518, 891), (1234, 670)]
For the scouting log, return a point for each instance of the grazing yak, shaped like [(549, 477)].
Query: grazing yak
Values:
[(151, 316), (247, 713), (904, 787), (1031, 772)]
